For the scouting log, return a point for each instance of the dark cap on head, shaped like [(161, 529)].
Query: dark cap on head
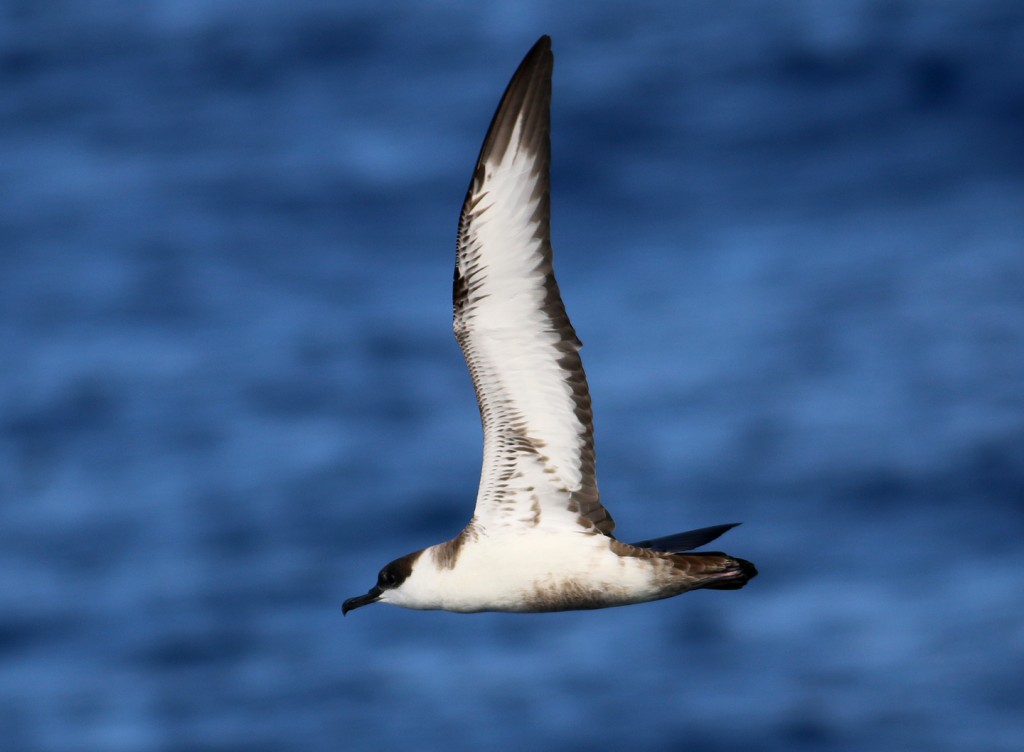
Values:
[(389, 578)]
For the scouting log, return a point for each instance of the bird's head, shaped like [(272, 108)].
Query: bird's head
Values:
[(389, 583)]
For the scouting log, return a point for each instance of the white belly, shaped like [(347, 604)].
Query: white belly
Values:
[(533, 571)]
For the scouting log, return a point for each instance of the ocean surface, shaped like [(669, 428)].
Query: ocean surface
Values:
[(790, 235)]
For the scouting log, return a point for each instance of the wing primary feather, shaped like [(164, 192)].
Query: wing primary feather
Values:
[(686, 541)]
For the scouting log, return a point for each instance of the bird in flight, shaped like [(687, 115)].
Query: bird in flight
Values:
[(540, 539)]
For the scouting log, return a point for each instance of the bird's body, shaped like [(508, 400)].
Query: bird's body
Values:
[(540, 538), (527, 572), (550, 571)]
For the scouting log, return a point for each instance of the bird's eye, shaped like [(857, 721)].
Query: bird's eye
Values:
[(386, 577)]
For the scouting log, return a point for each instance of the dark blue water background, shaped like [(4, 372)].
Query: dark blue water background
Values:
[(790, 234)]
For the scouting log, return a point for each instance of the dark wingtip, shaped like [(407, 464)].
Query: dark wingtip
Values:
[(542, 44), (528, 95), (686, 541)]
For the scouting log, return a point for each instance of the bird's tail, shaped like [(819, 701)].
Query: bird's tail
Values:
[(715, 570)]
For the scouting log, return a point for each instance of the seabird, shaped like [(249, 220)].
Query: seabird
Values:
[(540, 539)]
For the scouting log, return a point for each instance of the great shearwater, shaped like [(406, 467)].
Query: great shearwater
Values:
[(539, 538)]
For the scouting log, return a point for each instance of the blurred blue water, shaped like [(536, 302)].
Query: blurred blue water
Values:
[(791, 236)]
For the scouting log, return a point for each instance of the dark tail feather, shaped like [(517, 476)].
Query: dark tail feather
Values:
[(691, 539), (735, 576), (714, 570)]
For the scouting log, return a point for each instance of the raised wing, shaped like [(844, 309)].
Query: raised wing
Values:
[(522, 352)]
